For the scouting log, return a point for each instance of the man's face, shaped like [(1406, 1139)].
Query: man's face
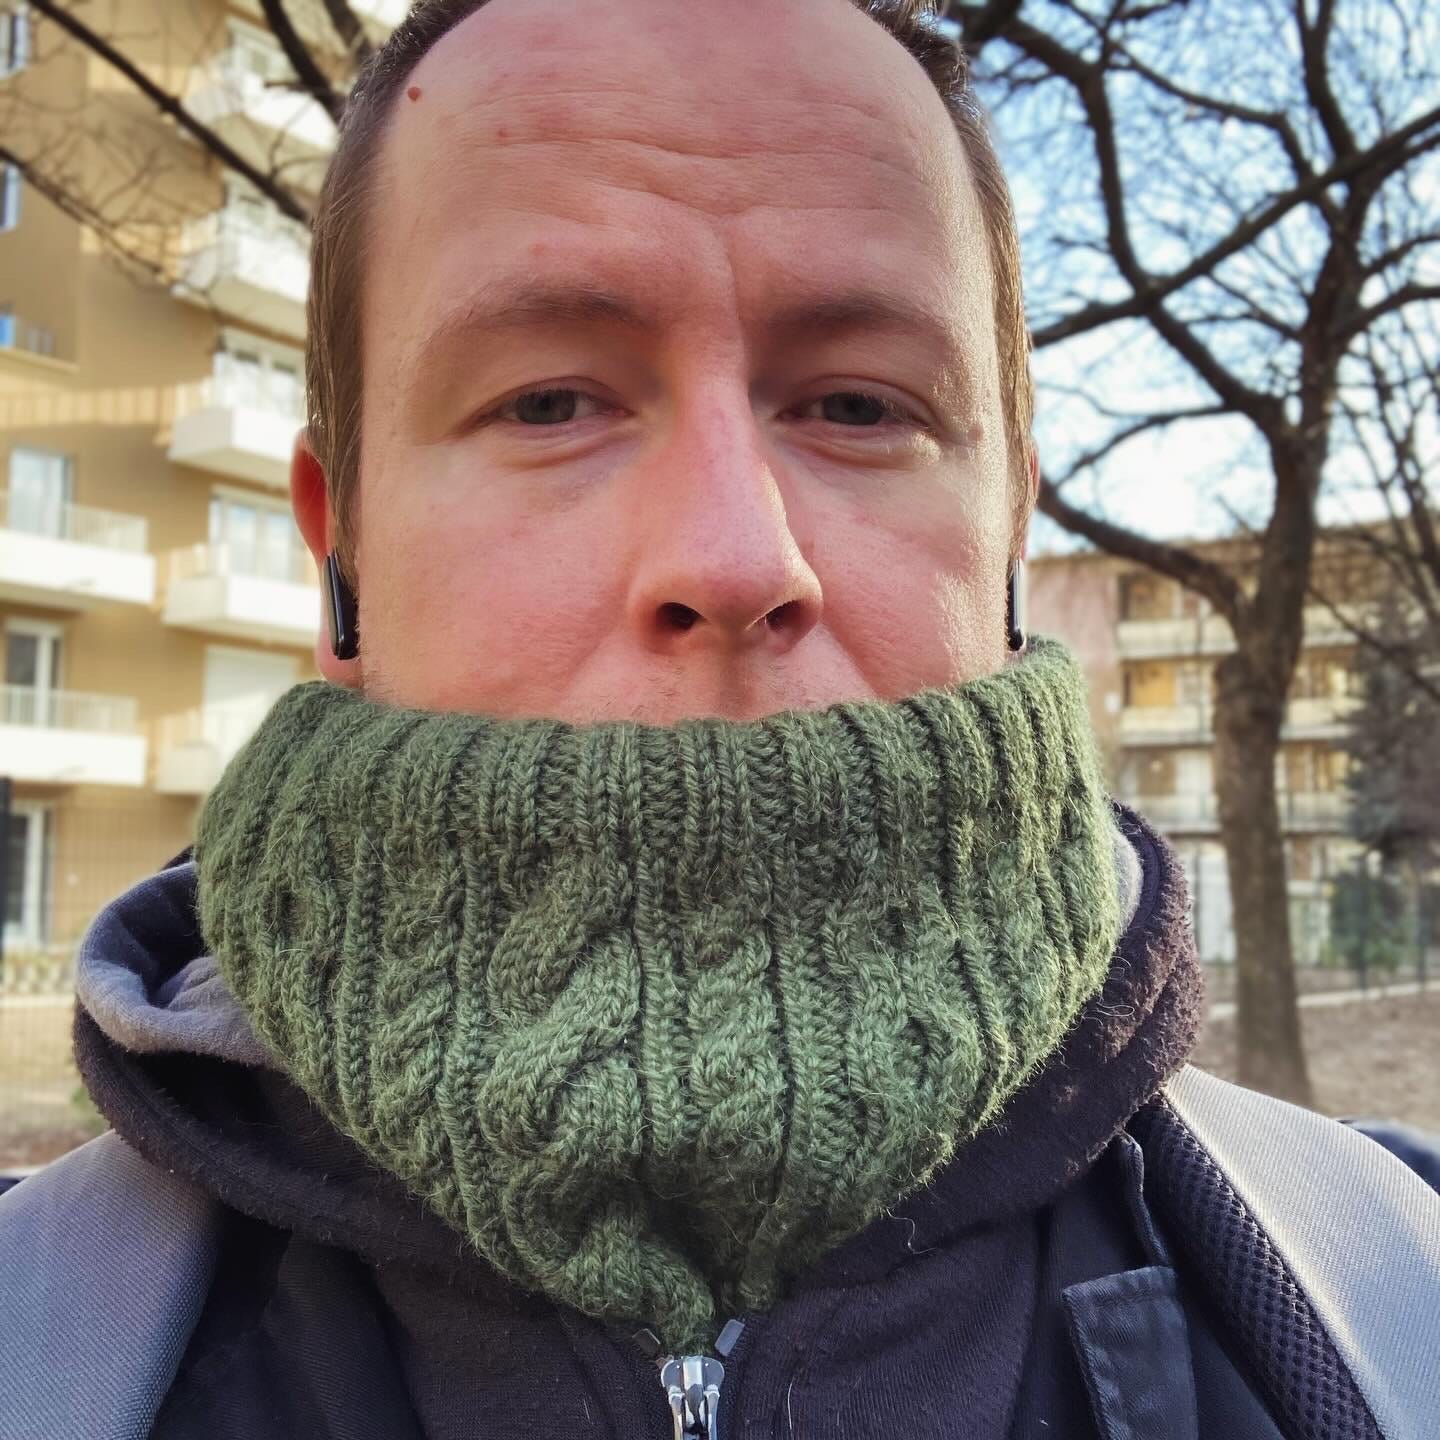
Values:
[(681, 393)]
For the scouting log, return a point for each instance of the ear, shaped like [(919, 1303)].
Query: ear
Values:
[(310, 500)]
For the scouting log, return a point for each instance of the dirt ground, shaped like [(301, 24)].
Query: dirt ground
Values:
[(43, 1112), (1374, 1058)]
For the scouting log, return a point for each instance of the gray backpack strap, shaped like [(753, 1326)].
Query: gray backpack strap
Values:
[(105, 1264), (1358, 1230)]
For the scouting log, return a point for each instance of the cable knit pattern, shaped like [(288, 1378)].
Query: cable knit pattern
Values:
[(658, 1016)]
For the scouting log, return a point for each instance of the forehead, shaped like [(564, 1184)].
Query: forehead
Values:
[(704, 152)]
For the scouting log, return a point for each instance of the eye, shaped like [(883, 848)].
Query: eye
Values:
[(546, 407), (858, 409)]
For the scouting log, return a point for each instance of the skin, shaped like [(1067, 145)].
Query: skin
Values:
[(719, 519)]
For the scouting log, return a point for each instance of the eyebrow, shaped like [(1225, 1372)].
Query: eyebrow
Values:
[(535, 304)]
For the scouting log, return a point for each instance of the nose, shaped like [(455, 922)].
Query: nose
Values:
[(719, 567)]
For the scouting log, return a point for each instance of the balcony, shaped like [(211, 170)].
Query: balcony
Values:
[(232, 429), (58, 737), (264, 117), (18, 334), (1200, 635), (256, 269), (1196, 812), (194, 747), (1158, 639), (1166, 725), (243, 593), (1323, 718), (72, 557), (30, 349)]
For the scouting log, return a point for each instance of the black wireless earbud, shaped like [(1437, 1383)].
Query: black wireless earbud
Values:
[(1015, 607), (342, 610)]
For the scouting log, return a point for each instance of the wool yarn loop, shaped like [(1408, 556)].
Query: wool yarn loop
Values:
[(656, 1016)]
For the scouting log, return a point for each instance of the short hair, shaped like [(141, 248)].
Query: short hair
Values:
[(334, 374)]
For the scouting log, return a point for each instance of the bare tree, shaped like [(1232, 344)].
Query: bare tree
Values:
[(1225, 208), (128, 213), (1228, 213)]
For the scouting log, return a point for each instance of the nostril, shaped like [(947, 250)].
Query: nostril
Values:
[(677, 617), (783, 617)]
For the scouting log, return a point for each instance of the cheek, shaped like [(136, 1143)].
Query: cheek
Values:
[(472, 609), (915, 588)]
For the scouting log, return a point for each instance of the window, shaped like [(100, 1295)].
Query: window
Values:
[(1144, 597), (38, 496), (27, 876), (14, 38), (258, 538), (255, 379), (1192, 684), (32, 672), (9, 197)]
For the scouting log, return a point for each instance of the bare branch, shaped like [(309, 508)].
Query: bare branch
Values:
[(1399, 655), (168, 104), (349, 29), (1088, 81), (70, 202), (1392, 153), (1140, 426), (1361, 319), (1315, 54), (313, 80), (1204, 577)]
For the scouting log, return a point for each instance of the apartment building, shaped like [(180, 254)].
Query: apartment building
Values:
[(155, 597), (1149, 647)]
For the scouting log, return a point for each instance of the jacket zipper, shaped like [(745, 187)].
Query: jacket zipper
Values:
[(692, 1383)]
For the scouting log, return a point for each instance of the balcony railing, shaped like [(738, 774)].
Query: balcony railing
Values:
[(33, 708), (228, 392), (218, 727), (1210, 634), (1317, 718), (248, 263), (20, 334), (290, 564), (1197, 810), (81, 524), (257, 88)]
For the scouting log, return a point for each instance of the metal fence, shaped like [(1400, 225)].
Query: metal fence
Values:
[(58, 865)]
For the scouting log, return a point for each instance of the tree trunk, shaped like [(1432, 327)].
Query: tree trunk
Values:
[(1249, 711)]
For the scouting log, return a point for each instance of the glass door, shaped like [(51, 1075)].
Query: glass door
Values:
[(32, 673), (26, 877), (255, 538), (39, 492)]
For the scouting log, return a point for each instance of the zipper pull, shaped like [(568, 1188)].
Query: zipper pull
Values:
[(692, 1382), (692, 1385)]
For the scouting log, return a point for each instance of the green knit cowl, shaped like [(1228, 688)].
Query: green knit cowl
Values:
[(657, 1016)]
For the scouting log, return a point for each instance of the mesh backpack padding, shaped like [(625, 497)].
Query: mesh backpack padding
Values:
[(1308, 1386)]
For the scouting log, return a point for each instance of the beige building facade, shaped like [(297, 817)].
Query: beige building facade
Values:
[(155, 597), (1149, 647)]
